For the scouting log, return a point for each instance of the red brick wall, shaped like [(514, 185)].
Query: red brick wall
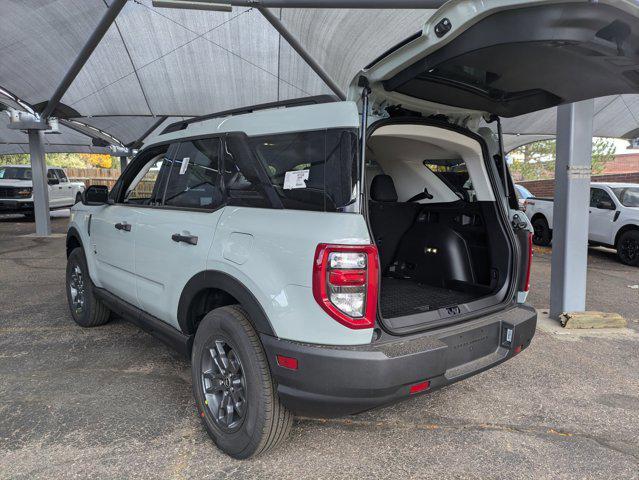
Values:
[(546, 188), (623, 163)]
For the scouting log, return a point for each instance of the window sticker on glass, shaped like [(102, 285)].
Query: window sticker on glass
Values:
[(296, 179), (185, 164)]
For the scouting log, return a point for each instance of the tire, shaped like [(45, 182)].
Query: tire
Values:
[(628, 248), (29, 216), (542, 235), (88, 311), (258, 421), (78, 198)]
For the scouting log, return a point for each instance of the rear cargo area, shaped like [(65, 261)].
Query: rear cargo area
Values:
[(433, 214), (402, 297)]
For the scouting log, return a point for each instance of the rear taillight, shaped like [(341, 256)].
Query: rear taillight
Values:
[(530, 259), (345, 283)]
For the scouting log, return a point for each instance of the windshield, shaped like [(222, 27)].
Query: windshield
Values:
[(454, 174), (15, 173), (523, 192), (628, 196)]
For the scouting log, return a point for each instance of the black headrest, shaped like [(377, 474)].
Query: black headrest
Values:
[(383, 189)]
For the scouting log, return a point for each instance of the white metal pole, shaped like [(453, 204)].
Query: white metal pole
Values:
[(40, 184), (570, 210)]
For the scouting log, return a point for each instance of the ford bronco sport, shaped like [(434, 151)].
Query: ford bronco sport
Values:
[(322, 257)]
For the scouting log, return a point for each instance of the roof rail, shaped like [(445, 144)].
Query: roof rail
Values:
[(295, 102)]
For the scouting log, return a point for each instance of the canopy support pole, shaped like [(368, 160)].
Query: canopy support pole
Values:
[(123, 163), (105, 22), (570, 208), (297, 46), (40, 183)]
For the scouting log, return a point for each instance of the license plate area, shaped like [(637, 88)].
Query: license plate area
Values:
[(470, 345)]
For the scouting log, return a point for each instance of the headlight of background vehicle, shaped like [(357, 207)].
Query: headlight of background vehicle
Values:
[(24, 192)]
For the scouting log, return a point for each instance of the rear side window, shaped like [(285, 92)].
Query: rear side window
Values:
[(311, 170), (194, 181)]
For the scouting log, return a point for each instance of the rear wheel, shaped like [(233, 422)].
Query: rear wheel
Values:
[(233, 388), (628, 248), (78, 198), (86, 309), (542, 235)]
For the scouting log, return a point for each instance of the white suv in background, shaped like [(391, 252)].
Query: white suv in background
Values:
[(16, 189), (322, 257), (613, 219)]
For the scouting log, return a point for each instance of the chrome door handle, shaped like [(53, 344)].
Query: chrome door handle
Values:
[(190, 239), (123, 226)]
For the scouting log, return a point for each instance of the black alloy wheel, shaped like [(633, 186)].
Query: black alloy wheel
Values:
[(224, 385)]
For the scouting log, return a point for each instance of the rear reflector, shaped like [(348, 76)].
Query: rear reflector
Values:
[(518, 349), (419, 387), (287, 362), (347, 278), (530, 260)]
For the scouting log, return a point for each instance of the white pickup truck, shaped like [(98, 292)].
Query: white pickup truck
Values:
[(614, 219), (16, 189)]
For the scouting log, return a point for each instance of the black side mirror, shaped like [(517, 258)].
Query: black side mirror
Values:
[(605, 205), (53, 181), (96, 195)]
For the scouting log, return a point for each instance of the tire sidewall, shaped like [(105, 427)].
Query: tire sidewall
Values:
[(77, 258), (220, 324)]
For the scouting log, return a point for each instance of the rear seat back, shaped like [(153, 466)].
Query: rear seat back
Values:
[(389, 219)]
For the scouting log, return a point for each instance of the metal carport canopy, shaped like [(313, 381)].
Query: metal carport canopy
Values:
[(156, 62), (161, 62)]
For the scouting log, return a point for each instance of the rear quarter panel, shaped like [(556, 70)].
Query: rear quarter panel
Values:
[(271, 252)]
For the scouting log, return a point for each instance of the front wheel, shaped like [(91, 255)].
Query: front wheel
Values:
[(542, 235), (233, 388), (628, 248), (86, 309)]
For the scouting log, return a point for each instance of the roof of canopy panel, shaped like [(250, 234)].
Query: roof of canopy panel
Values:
[(154, 63)]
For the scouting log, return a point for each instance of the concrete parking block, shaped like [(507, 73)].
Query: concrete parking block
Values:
[(593, 320)]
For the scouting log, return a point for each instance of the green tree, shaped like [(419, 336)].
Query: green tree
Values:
[(15, 159), (536, 161), (62, 160)]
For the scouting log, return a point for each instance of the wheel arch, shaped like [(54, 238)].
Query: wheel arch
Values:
[(626, 228), (74, 240), (212, 289), (538, 216)]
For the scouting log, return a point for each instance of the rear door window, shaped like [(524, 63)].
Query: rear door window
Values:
[(195, 180)]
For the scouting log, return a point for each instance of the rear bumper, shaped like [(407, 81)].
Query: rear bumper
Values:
[(16, 206), (335, 381)]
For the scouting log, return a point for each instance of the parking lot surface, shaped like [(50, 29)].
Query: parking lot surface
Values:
[(113, 402)]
